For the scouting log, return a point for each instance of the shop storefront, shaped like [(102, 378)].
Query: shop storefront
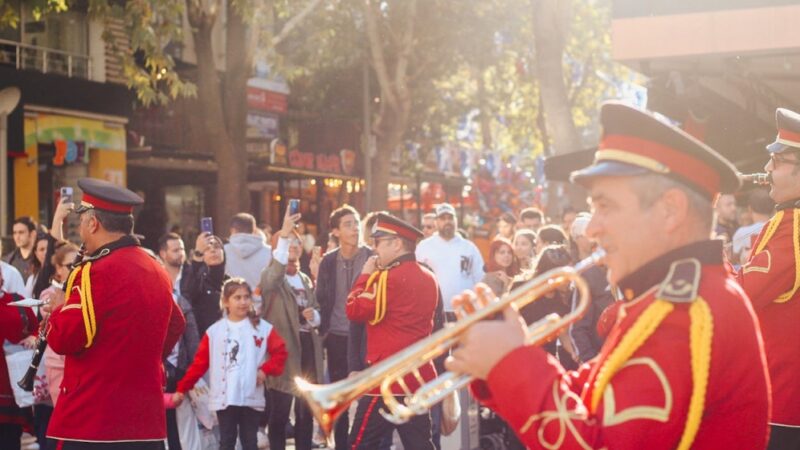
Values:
[(61, 146), (322, 180)]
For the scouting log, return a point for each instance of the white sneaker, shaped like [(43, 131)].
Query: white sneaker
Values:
[(262, 440), (28, 442)]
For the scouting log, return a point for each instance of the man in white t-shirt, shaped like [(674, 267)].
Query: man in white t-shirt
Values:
[(456, 262), (12, 280)]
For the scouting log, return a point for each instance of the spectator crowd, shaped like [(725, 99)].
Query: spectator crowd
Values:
[(293, 295)]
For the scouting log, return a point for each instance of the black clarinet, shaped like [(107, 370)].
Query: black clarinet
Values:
[(26, 383)]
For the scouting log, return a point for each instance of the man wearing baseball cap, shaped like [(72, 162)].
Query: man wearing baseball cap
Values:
[(683, 365), (772, 280), (117, 324), (456, 261)]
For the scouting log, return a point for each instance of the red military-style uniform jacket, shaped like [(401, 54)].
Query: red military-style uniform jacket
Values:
[(771, 279), (683, 367), (16, 323), (411, 296), (113, 383)]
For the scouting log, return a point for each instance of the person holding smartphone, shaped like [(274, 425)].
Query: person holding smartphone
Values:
[(290, 305)]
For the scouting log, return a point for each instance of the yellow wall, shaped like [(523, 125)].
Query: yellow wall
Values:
[(26, 176), (108, 165)]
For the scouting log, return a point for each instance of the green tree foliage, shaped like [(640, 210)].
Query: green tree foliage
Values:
[(431, 63)]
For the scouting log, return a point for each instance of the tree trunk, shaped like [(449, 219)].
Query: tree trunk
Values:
[(391, 137), (215, 132), (232, 194), (551, 22), (222, 125)]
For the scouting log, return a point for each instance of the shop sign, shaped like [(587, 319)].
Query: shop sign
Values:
[(262, 125), (69, 152), (277, 153), (264, 100), (51, 128), (342, 162)]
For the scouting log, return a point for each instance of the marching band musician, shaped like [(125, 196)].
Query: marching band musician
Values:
[(772, 280), (16, 323), (396, 297), (117, 324), (683, 366)]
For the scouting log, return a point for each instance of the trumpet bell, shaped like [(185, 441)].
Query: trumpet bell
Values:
[(325, 403)]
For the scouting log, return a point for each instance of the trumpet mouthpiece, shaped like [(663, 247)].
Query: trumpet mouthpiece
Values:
[(761, 179)]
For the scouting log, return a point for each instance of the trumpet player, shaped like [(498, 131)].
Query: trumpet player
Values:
[(396, 297), (683, 366), (772, 280)]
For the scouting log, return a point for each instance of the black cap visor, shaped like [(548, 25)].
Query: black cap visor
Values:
[(606, 169)]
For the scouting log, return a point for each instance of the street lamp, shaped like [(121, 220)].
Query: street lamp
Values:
[(9, 98)]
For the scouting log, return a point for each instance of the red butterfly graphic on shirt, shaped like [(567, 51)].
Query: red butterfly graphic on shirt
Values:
[(258, 340)]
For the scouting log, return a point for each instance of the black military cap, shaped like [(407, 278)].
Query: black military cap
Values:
[(636, 142), (105, 196), (788, 123), (389, 225)]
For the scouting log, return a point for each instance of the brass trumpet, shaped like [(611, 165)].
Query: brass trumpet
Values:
[(761, 179), (327, 402)]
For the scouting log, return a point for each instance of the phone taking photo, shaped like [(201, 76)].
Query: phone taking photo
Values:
[(66, 194), (207, 225), (294, 206)]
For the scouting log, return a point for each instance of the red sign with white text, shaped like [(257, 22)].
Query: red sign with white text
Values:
[(264, 100)]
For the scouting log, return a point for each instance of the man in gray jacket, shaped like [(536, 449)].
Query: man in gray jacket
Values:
[(246, 253)]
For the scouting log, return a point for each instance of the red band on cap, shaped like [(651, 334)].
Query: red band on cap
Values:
[(105, 205), (692, 169), (788, 135), (398, 230)]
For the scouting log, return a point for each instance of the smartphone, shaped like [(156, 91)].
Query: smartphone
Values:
[(207, 225), (66, 194), (294, 206)]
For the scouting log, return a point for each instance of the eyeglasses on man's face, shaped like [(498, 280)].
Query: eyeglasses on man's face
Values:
[(781, 158)]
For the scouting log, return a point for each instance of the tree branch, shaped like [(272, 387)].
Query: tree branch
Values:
[(405, 51), (289, 26), (378, 57)]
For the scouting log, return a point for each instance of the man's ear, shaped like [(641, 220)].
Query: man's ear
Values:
[(675, 209)]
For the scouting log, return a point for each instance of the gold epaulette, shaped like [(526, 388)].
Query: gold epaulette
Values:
[(680, 286)]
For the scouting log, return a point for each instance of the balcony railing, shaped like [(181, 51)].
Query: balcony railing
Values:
[(45, 60)]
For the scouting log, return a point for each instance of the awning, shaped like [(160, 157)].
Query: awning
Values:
[(311, 173)]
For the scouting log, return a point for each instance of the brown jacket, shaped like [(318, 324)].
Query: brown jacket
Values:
[(280, 309)]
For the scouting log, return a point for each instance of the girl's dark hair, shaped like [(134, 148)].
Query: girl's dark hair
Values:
[(552, 234), (35, 264), (231, 286), (551, 257)]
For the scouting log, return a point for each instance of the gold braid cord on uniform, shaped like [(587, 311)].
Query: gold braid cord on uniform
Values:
[(382, 277), (87, 303), (700, 333), (772, 226)]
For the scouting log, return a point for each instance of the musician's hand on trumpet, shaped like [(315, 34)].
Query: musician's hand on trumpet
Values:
[(484, 344)]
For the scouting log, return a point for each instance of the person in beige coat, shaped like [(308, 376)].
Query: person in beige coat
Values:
[(291, 307)]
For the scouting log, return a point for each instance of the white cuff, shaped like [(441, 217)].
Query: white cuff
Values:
[(316, 321), (281, 252)]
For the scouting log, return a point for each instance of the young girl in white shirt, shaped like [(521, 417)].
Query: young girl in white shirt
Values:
[(240, 351)]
